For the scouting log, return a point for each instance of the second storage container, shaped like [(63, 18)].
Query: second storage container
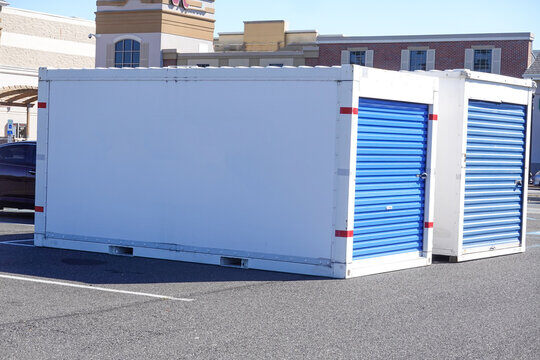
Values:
[(483, 152)]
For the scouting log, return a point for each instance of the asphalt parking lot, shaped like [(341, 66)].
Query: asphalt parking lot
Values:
[(57, 304)]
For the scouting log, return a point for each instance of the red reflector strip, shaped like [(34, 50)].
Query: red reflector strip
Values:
[(39, 209), (344, 234), (348, 111), (433, 117), (429, 225), (42, 105)]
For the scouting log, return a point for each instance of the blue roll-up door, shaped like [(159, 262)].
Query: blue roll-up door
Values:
[(494, 174), (391, 162)]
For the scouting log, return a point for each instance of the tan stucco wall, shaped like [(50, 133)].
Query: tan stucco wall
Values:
[(44, 28), (300, 37), (34, 59), (264, 36), (66, 38)]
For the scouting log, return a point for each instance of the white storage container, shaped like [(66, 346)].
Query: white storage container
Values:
[(483, 157), (262, 168)]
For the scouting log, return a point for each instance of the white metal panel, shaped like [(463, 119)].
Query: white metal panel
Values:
[(200, 188), (398, 86)]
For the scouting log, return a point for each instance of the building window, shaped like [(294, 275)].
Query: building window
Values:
[(127, 53), (203, 65), (358, 58), (482, 60), (276, 65), (418, 60)]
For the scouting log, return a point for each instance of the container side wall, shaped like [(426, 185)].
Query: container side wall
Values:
[(245, 166)]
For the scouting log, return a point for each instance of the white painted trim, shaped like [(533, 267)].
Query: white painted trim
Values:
[(38, 43), (50, 17), (95, 288), (340, 39), (127, 37), (13, 70), (483, 253), (387, 264), (211, 259)]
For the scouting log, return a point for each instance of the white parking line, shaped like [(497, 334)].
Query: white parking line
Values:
[(16, 243), (88, 287)]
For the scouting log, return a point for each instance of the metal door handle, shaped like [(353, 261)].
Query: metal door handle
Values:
[(422, 176), (519, 183), (32, 172)]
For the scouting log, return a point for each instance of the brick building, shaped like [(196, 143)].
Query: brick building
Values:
[(504, 53), (499, 53)]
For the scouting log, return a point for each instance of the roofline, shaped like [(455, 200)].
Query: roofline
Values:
[(50, 17), (3, 3), (265, 21), (532, 76), (232, 33), (239, 54), (286, 32), (341, 39), (5, 69)]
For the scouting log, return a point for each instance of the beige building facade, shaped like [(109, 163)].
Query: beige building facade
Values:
[(29, 40), (132, 33), (262, 43)]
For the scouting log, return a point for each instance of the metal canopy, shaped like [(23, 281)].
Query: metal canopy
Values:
[(18, 96)]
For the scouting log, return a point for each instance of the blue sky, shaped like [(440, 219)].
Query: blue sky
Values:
[(354, 17)]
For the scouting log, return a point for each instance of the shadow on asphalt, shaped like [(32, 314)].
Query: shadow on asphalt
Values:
[(98, 268), (95, 268)]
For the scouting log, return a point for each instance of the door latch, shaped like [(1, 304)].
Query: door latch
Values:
[(519, 183), (422, 176)]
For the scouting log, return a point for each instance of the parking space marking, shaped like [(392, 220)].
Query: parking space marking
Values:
[(97, 288), (16, 243)]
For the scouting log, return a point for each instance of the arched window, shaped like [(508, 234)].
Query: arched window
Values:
[(127, 53)]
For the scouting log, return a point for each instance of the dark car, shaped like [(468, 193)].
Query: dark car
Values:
[(18, 175)]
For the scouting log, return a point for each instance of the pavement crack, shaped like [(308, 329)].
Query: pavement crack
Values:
[(80, 313), (259, 284)]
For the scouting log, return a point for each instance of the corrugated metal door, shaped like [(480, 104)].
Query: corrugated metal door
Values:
[(390, 173), (494, 174)]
